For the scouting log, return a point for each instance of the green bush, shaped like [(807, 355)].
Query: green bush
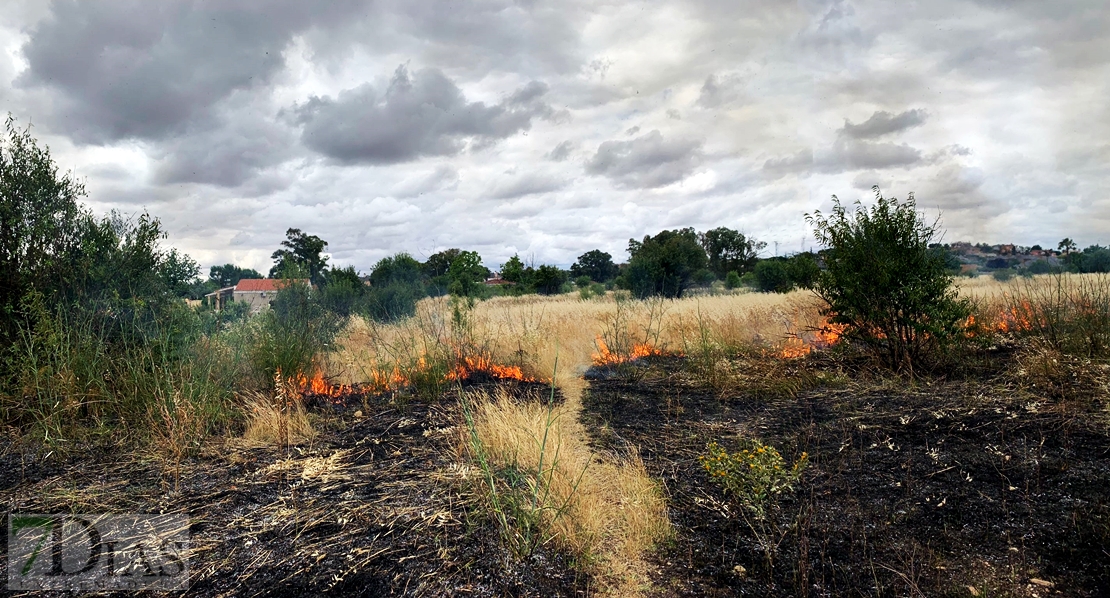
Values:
[(884, 283), (1002, 275), (294, 331), (804, 270), (549, 280), (773, 276), (732, 281)]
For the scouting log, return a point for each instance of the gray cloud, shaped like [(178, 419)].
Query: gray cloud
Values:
[(528, 184), (646, 161), (146, 70), (718, 91), (423, 114), (1002, 104), (883, 123), (855, 155), (443, 177), (845, 155), (560, 152), (227, 154)]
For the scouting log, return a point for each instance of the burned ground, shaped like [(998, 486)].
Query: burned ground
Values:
[(375, 506), (930, 488), (924, 488)]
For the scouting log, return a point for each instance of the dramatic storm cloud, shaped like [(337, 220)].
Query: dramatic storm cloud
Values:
[(421, 115), (551, 128)]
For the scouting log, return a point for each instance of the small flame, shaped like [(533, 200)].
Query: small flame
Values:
[(605, 356), (797, 345)]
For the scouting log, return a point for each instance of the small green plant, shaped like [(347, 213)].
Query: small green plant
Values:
[(755, 477)]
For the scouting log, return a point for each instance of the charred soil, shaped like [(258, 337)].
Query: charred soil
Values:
[(924, 488), (375, 506)]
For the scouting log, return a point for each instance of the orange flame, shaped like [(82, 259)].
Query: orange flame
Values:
[(381, 381), (797, 345), (605, 356), (317, 385), (1015, 318)]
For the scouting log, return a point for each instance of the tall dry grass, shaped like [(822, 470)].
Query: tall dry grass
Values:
[(277, 417), (605, 510), (529, 331)]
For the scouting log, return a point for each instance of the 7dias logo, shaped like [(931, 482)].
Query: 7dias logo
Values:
[(98, 552)]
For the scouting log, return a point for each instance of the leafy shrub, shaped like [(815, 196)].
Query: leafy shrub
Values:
[(294, 331), (773, 276), (549, 280), (884, 283), (732, 281), (804, 270), (1002, 275), (1040, 267), (755, 477)]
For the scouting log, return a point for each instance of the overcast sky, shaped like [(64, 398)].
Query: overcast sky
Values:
[(551, 128)]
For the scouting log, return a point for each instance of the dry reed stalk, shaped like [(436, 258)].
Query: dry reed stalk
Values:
[(278, 419), (606, 511)]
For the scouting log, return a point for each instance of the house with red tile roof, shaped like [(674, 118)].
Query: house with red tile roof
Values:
[(256, 292)]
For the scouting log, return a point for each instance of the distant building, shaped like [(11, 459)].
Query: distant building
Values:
[(495, 280), (255, 292)]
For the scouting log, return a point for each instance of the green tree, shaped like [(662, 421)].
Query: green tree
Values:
[(773, 276), (440, 262), (514, 270), (596, 264), (41, 224), (229, 275), (549, 280), (883, 282), (305, 253), (466, 274), (732, 281), (398, 268), (664, 264), (729, 250), (1067, 246), (343, 293), (804, 270), (396, 285)]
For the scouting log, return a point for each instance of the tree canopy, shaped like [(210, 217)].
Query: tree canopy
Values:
[(302, 255), (664, 264), (728, 250), (596, 264), (229, 275)]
